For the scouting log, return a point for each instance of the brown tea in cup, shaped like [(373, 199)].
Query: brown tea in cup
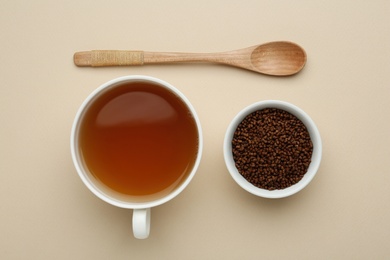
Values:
[(139, 139)]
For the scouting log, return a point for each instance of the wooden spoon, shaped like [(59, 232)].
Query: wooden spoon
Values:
[(274, 58)]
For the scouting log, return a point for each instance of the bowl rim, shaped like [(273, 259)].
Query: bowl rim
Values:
[(314, 135)]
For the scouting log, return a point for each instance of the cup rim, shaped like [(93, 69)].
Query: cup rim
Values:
[(76, 156), (314, 135)]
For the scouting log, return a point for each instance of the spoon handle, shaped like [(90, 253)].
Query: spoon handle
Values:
[(101, 58)]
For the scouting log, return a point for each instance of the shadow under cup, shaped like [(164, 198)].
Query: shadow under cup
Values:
[(136, 142)]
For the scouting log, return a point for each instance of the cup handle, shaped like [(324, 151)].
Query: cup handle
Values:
[(141, 223)]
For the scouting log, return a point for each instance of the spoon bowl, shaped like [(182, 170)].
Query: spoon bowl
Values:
[(280, 58)]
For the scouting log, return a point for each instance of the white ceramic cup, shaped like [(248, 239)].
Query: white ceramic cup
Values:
[(314, 135), (141, 210)]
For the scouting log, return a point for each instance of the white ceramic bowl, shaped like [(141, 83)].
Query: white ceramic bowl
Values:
[(314, 135)]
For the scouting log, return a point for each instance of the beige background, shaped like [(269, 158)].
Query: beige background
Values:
[(47, 213)]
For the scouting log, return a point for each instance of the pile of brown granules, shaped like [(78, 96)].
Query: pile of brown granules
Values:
[(272, 149)]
